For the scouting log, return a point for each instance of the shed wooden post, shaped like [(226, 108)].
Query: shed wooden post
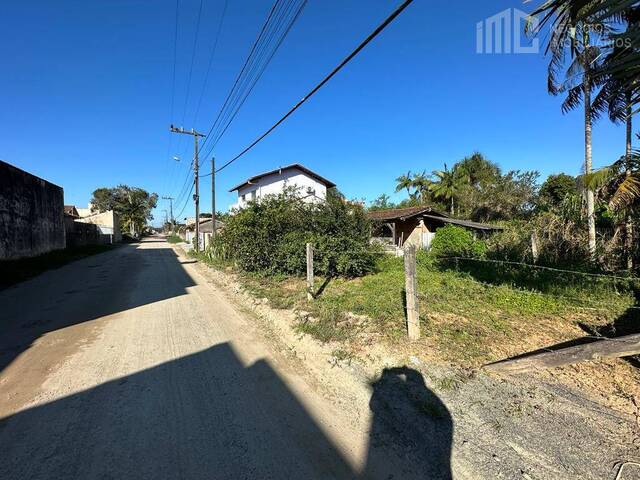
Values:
[(411, 289), (309, 272)]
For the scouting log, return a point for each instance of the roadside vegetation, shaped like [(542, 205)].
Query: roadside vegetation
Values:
[(473, 310), (16, 271), (270, 237), (173, 238)]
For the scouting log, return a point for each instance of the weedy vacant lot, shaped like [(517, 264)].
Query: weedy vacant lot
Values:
[(465, 318)]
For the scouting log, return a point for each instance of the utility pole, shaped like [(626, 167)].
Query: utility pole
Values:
[(173, 223), (213, 197), (165, 220), (196, 168)]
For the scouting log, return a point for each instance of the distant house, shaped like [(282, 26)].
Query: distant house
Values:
[(417, 225), (311, 186), (205, 230), (107, 223)]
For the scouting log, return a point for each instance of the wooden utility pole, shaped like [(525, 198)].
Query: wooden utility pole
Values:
[(173, 223), (411, 289), (196, 168), (213, 197), (309, 272)]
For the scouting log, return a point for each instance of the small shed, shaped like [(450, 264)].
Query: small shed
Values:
[(417, 225)]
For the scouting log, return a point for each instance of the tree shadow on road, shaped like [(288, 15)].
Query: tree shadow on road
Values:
[(206, 415)]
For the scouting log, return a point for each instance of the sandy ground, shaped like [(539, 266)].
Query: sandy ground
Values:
[(131, 364)]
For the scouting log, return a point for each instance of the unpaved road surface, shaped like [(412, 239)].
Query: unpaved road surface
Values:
[(129, 364)]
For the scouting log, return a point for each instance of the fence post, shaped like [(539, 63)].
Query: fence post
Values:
[(534, 247), (309, 272), (411, 289)]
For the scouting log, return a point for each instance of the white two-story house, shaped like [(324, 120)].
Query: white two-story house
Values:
[(310, 186)]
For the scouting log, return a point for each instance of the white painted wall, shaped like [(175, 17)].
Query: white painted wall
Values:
[(308, 188)]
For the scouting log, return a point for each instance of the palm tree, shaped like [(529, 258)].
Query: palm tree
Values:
[(616, 99), (448, 185), (422, 185), (404, 182), (579, 81), (563, 15)]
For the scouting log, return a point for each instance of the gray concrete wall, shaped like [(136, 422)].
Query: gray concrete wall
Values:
[(31, 214)]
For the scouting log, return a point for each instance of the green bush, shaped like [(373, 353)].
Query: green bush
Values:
[(454, 241), (270, 236)]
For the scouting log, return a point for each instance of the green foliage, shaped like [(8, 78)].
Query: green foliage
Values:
[(132, 204), (454, 241), (270, 236), (174, 239), (381, 203), (556, 188)]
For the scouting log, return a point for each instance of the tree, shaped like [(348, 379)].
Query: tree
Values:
[(404, 182), (422, 184), (478, 169), (563, 15), (133, 205), (616, 98), (381, 203), (448, 185), (556, 188), (573, 24)]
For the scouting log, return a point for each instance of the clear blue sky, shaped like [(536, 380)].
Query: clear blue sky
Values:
[(86, 91)]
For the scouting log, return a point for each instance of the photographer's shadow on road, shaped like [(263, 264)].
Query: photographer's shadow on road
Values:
[(410, 423)]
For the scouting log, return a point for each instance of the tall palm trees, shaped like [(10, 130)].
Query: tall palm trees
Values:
[(448, 185), (578, 82), (573, 22), (404, 182)]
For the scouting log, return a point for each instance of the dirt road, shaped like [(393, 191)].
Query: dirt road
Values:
[(129, 364)]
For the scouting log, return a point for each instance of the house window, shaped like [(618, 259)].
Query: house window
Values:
[(253, 195), (311, 191), (243, 198)]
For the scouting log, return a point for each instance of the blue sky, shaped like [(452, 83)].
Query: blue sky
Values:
[(86, 93)]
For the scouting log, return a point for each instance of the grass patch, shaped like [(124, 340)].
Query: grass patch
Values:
[(16, 271), (174, 239), (464, 318)]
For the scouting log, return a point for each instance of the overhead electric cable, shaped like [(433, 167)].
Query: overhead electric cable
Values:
[(242, 70), (213, 53), (250, 89), (363, 44)]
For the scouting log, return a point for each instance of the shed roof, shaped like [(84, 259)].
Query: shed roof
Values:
[(205, 225), (401, 213), (71, 210), (464, 223), (312, 174)]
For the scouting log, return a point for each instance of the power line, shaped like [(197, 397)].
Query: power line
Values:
[(277, 29), (213, 53), (364, 43), (242, 70), (173, 82), (193, 57), (250, 89)]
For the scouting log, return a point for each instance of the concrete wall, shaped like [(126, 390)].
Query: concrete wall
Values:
[(108, 224), (31, 214), (79, 234), (309, 188)]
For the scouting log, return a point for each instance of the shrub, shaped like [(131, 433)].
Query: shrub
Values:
[(270, 236), (454, 241)]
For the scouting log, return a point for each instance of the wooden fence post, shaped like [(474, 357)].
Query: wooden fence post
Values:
[(534, 247), (411, 289), (309, 272)]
